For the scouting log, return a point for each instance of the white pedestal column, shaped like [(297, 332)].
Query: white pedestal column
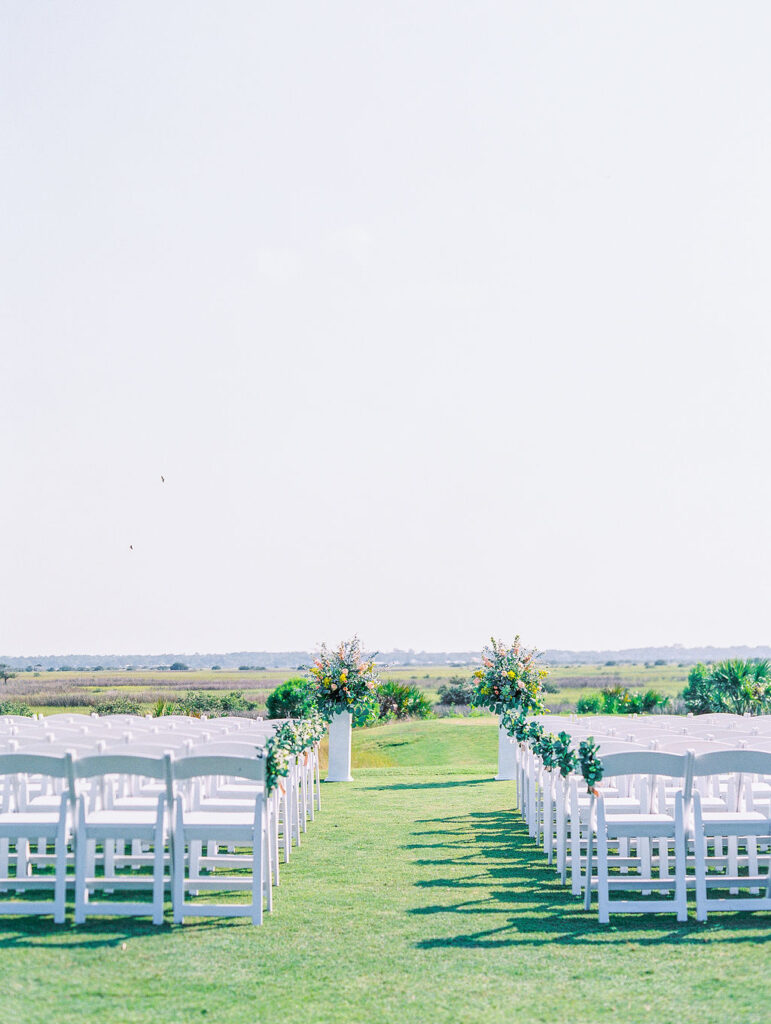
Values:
[(339, 769), (507, 765)]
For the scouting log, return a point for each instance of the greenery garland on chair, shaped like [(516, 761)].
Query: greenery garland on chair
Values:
[(590, 763), (290, 738)]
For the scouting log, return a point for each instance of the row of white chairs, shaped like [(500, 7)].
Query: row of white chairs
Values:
[(728, 787), (172, 791)]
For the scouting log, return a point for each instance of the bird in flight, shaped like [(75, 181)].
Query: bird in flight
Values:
[(163, 479), (131, 547)]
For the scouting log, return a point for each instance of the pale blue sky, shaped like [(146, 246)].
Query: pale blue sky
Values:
[(440, 320)]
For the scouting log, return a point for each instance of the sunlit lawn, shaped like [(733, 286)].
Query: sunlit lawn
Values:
[(416, 896)]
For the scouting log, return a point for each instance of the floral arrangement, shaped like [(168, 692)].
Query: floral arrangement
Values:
[(590, 764), (510, 678), (344, 679)]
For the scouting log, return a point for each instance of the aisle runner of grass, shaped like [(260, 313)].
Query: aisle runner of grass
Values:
[(416, 896)]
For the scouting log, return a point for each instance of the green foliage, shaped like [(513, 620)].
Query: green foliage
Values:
[(549, 687), (590, 763), (515, 724), (196, 703), (618, 700), (15, 707), (457, 690), (178, 666), (294, 698), (736, 685), (288, 740), (6, 674), (398, 700), (589, 705), (118, 706), (565, 758)]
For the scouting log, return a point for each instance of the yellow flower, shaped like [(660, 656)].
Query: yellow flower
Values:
[(511, 675)]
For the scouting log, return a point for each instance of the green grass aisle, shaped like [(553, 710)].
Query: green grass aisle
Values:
[(416, 896)]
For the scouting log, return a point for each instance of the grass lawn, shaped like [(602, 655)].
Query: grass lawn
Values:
[(416, 896)]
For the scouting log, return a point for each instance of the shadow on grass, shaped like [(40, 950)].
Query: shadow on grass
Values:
[(529, 907), (98, 932), (430, 785)]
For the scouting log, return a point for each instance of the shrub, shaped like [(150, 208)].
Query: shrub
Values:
[(178, 666), (15, 707), (550, 687), (196, 703), (397, 700), (590, 705), (614, 699), (736, 685), (457, 690), (292, 699), (118, 706)]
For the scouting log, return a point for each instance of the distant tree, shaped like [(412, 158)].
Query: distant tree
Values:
[(660, 661), (6, 674), (216, 668), (178, 666)]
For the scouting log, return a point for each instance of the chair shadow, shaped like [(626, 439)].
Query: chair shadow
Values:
[(511, 870), (429, 785), (97, 933)]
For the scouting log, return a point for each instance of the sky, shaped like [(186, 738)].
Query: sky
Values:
[(439, 320)]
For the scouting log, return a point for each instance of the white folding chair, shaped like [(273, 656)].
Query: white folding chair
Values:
[(107, 824), (742, 821), (243, 828), (644, 826), (19, 824)]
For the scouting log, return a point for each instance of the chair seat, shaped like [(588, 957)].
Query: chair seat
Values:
[(640, 824), (121, 824), (215, 819), (42, 824), (737, 823)]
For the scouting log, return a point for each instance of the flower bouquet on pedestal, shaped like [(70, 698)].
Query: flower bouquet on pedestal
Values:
[(344, 681), (509, 683)]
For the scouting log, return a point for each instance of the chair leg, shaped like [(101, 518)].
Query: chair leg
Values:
[(681, 892), (700, 865), (258, 880), (752, 861), (158, 849), (733, 860), (588, 890), (4, 859), (81, 864), (603, 893), (60, 879), (178, 871)]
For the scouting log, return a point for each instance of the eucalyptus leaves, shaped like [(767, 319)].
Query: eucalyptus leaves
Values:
[(289, 739)]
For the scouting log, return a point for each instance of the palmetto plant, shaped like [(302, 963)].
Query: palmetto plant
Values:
[(738, 686)]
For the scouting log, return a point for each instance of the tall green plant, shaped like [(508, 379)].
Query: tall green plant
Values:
[(738, 686)]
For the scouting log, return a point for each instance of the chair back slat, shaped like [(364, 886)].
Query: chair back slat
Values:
[(219, 764)]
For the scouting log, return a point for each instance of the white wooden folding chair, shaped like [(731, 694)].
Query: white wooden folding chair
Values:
[(108, 824), (243, 828), (742, 822), (20, 824), (644, 826)]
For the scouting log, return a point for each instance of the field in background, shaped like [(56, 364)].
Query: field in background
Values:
[(48, 692)]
